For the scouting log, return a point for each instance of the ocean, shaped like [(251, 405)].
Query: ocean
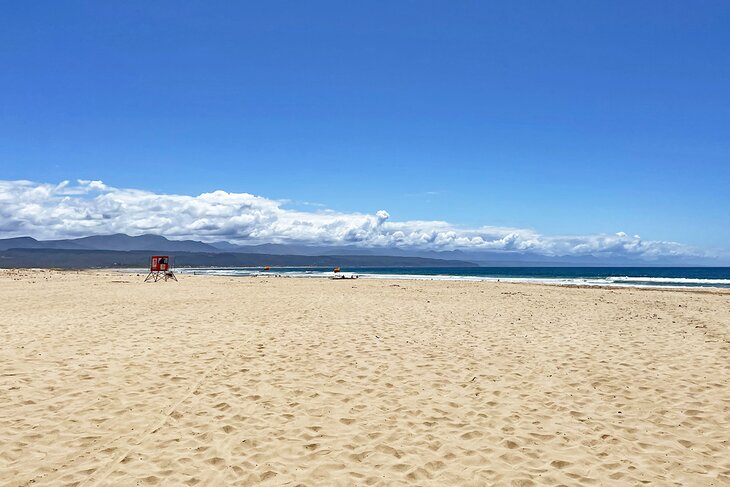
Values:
[(666, 277)]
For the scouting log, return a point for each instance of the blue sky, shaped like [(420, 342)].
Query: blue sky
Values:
[(562, 117)]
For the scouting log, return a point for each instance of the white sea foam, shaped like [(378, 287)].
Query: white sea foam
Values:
[(677, 280), (613, 281)]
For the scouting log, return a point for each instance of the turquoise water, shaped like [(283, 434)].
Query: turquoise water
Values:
[(712, 277)]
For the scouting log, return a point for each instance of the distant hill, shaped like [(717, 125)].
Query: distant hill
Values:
[(124, 242), (118, 241), (159, 244), (295, 249), (485, 258), (31, 243), (77, 259)]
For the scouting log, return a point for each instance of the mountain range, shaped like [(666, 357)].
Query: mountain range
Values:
[(158, 244), (120, 250), (117, 241)]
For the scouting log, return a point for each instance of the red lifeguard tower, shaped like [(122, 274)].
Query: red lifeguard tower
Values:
[(160, 269)]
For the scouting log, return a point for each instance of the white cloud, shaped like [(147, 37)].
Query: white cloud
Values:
[(49, 211)]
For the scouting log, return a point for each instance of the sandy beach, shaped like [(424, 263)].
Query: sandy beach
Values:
[(106, 380)]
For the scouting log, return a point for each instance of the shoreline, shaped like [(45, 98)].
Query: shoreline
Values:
[(217, 272), (404, 277), (636, 282)]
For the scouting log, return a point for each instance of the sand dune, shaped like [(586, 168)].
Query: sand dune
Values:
[(107, 381)]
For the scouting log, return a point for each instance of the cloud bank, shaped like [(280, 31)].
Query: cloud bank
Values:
[(67, 210)]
